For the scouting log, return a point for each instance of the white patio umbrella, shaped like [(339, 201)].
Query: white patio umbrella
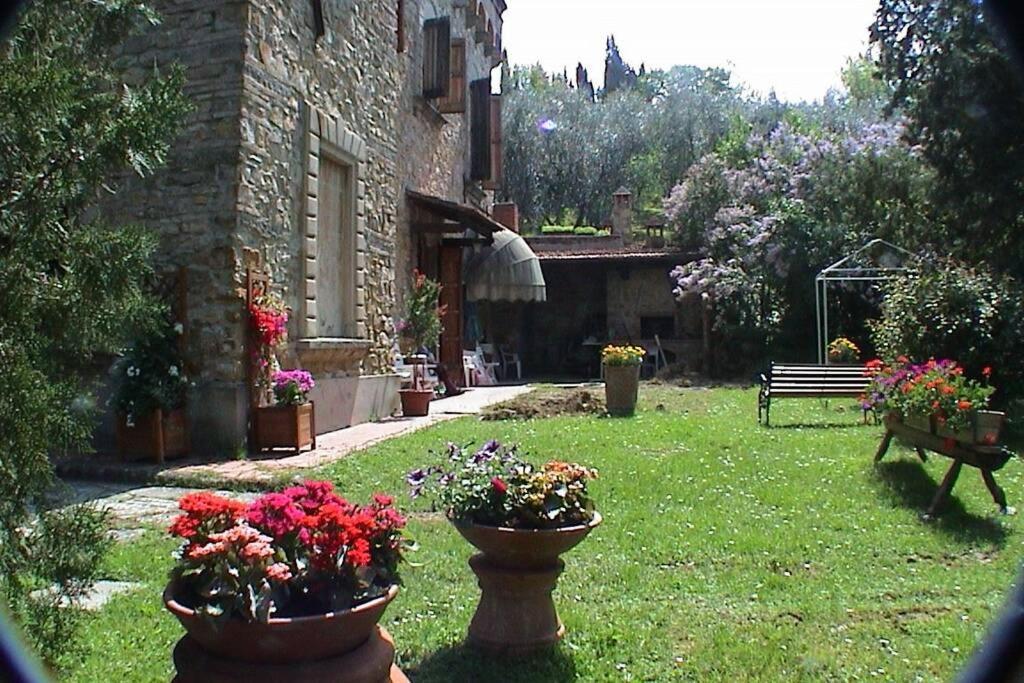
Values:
[(506, 270)]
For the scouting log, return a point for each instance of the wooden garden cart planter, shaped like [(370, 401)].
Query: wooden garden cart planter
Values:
[(986, 458)]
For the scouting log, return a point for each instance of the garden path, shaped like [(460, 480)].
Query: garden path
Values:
[(261, 471)]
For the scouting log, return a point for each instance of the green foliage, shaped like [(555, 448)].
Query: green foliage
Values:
[(71, 286), (63, 554), (496, 486), (567, 151), (964, 100), (150, 374), (956, 311), (423, 314)]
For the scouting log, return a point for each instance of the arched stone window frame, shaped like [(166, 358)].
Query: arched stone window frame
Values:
[(326, 135)]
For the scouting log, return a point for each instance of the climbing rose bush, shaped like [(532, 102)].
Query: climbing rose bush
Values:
[(300, 551), (495, 486)]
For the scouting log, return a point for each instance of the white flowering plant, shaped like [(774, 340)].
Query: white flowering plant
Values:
[(150, 374)]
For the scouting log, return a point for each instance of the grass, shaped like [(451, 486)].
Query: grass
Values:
[(729, 552)]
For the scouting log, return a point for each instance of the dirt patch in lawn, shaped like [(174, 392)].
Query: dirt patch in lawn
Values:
[(550, 403)]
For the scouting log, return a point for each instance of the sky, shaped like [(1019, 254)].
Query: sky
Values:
[(797, 47)]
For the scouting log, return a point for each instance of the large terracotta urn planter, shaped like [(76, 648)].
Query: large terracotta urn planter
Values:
[(416, 402), (292, 427), (621, 386), (155, 436), (338, 647), (517, 570)]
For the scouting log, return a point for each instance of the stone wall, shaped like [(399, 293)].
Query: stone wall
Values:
[(191, 203), (242, 182), (435, 147), (638, 292)]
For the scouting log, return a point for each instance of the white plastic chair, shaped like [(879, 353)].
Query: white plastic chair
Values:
[(510, 359), (487, 370)]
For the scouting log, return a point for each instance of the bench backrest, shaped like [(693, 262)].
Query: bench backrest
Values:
[(817, 380)]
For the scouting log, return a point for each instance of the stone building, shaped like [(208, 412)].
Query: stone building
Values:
[(613, 288), (313, 121)]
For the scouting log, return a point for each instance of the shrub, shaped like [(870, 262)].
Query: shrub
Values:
[(556, 230), (63, 552), (585, 230), (957, 311)]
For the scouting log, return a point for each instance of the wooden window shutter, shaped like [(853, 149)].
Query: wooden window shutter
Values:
[(400, 28), (437, 40), (496, 152), (480, 129), (455, 101)]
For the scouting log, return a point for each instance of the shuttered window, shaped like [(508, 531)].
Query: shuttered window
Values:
[(480, 129), (455, 101), (437, 40), (494, 182)]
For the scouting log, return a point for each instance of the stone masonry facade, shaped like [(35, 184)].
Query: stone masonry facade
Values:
[(275, 105)]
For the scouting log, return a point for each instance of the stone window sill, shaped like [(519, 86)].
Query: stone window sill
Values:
[(427, 108), (331, 354)]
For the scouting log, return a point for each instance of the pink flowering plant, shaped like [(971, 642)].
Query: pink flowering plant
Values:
[(935, 389), (300, 551), (495, 486), (292, 387)]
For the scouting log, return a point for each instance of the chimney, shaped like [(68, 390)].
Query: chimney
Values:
[(622, 213), (507, 214)]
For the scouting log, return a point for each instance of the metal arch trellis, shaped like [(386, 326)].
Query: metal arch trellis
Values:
[(849, 269)]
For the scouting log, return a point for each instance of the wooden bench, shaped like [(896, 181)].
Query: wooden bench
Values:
[(987, 459), (809, 381)]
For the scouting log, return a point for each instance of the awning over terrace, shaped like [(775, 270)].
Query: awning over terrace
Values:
[(454, 217), (499, 267), (506, 270)]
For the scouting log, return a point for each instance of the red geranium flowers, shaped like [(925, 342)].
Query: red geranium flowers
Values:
[(306, 538)]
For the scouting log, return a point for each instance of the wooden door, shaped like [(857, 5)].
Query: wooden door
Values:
[(451, 300)]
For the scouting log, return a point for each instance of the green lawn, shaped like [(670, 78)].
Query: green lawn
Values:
[(729, 552)]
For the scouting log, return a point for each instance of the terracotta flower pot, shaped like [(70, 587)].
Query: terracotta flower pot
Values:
[(156, 435), (292, 427), (283, 641), (524, 548), (517, 571), (621, 385), (416, 402)]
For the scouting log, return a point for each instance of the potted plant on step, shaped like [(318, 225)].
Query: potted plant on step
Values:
[(521, 518), (842, 351), (423, 325), (621, 366), (935, 397), (149, 397), (291, 421), (289, 587)]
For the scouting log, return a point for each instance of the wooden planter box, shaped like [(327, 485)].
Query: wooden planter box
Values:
[(155, 436), (985, 429), (291, 427)]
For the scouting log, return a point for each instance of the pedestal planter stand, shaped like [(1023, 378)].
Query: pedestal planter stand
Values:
[(517, 571), (340, 647)]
